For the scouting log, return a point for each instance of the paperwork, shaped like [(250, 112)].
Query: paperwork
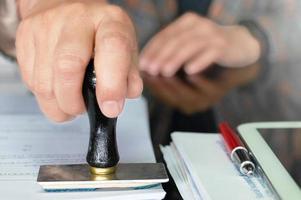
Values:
[(30, 140), (202, 169)]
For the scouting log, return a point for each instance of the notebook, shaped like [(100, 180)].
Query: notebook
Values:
[(201, 168)]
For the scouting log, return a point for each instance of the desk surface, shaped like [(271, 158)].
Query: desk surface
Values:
[(185, 103), (164, 118), (175, 104)]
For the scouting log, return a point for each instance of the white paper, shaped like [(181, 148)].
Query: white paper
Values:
[(202, 169), (29, 140)]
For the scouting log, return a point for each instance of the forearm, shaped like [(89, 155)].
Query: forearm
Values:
[(277, 19)]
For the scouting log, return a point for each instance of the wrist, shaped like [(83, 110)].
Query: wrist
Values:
[(252, 45), (243, 49)]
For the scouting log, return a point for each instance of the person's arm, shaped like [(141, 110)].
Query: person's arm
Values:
[(272, 24), (275, 23), (194, 43)]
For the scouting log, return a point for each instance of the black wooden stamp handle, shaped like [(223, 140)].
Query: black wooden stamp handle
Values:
[(102, 151)]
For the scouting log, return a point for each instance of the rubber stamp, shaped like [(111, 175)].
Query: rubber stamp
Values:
[(102, 169)]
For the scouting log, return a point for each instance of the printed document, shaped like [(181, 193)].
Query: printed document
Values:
[(30, 140)]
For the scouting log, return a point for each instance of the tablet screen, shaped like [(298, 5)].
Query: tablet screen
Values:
[(286, 144)]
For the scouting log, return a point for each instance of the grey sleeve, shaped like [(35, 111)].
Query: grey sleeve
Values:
[(275, 95), (9, 21), (280, 21)]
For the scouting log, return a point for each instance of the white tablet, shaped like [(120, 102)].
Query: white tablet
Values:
[(276, 147)]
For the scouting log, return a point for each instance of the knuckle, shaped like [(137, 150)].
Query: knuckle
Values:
[(75, 7), (117, 12), (69, 65), (206, 24), (117, 41), (42, 23), (208, 28), (212, 28), (112, 91), (47, 18), (75, 109), (43, 90), (190, 16)]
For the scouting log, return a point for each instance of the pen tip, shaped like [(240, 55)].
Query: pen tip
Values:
[(250, 173), (248, 170)]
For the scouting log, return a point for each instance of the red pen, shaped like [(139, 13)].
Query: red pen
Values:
[(238, 153)]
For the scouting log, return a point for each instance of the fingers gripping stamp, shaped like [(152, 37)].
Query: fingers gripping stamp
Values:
[(102, 169)]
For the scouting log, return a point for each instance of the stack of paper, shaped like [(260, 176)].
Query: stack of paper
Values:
[(202, 169), (29, 140)]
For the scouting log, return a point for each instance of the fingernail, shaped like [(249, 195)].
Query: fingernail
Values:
[(112, 108)]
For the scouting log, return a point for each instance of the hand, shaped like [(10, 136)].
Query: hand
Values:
[(198, 93), (55, 41), (196, 42)]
